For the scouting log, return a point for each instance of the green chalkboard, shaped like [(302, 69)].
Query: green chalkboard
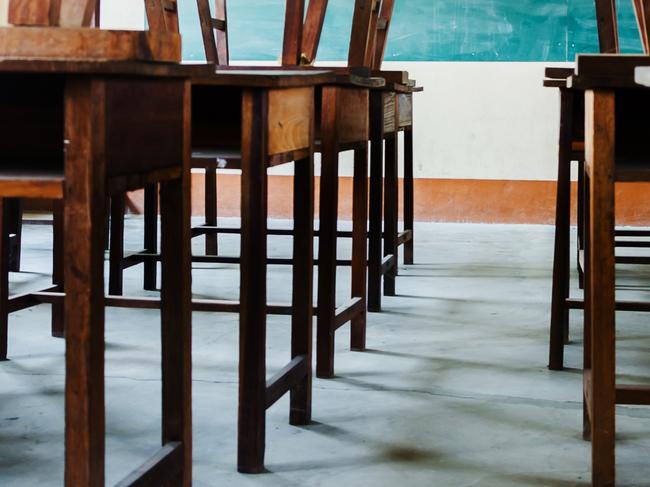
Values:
[(428, 30)]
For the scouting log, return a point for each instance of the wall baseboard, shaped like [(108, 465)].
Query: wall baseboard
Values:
[(440, 200)]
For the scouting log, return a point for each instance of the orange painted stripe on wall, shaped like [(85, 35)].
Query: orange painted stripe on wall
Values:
[(440, 200)]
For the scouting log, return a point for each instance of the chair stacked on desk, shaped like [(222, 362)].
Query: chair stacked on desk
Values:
[(78, 90), (604, 126), (572, 148)]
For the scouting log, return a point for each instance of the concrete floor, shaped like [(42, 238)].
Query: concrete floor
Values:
[(453, 390)]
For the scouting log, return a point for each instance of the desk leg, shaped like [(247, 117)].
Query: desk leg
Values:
[(390, 209), (116, 248), (84, 303), (4, 278), (303, 269), (150, 235), (58, 235), (561, 259), (329, 187), (252, 318), (211, 239), (360, 245), (409, 197), (600, 140), (14, 210), (376, 201)]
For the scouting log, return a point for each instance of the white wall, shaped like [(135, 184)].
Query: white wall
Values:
[(122, 14)]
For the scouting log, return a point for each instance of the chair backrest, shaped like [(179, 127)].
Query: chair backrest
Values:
[(370, 24), (214, 29), (63, 13), (642, 10), (162, 15), (607, 26)]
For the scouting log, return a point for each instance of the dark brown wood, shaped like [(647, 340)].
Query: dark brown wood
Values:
[(211, 239), (312, 29), (390, 208), (376, 201), (293, 25), (116, 248), (14, 212), (84, 312), (383, 27), (601, 397), (302, 287), (4, 279), (166, 464), (176, 296), (359, 246), (215, 31), (58, 273), (150, 235), (359, 38), (327, 240), (642, 11), (286, 380), (408, 198), (607, 26), (561, 269), (252, 318)]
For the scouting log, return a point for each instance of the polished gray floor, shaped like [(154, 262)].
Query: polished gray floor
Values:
[(453, 390)]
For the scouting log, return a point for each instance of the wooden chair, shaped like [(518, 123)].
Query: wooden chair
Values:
[(571, 148), (616, 151), (78, 98), (391, 112), (347, 130)]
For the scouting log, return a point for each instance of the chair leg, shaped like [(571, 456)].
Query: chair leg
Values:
[(586, 340), (390, 210), (561, 260), (4, 279), (14, 210), (602, 302), (302, 299), (211, 239), (58, 312), (116, 252), (376, 202), (329, 185), (581, 219), (150, 235), (252, 318), (408, 196), (360, 245), (176, 316)]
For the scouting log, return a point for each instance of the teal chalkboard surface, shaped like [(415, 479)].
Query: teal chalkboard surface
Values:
[(428, 30)]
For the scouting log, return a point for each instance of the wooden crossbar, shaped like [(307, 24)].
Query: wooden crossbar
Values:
[(157, 470), (286, 379)]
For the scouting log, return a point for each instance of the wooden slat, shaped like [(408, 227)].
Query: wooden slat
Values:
[(642, 11), (223, 51), (74, 13), (207, 31), (313, 29), (49, 187), (165, 464), (29, 12), (293, 23), (360, 32), (349, 311), (285, 380), (633, 394), (89, 44), (383, 27), (607, 26)]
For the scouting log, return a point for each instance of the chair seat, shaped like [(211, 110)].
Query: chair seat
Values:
[(216, 159)]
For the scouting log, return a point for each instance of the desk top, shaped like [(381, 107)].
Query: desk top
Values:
[(265, 78), (606, 71)]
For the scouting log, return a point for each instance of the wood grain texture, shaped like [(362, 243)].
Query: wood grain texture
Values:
[(390, 112), (642, 12), (360, 32), (383, 27), (607, 26), (293, 25), (73, 13), (353, 121), (405, 109), (84, 304), (89, 44), (601, 395), (290, 113), (29, 12), (313, 29)]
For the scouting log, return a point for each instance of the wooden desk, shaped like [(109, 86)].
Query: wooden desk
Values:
[(616, 128), (102, 128)]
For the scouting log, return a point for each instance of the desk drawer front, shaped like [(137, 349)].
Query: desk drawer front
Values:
[(290, 119)]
